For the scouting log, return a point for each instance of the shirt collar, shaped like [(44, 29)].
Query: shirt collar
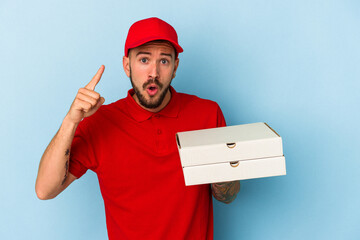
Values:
[(140, 114)]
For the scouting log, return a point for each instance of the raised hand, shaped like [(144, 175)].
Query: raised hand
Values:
[(87, 101)]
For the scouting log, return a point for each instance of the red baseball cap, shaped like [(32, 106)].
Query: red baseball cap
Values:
[(151, 29)]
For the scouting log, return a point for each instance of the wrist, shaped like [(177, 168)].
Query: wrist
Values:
[(69, 123)]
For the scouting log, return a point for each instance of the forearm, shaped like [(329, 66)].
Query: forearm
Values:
[(54, 164), (225, 192)]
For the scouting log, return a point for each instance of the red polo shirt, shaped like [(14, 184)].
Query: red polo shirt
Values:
[(134, 154)]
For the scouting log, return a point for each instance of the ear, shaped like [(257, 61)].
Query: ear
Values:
[(175, 67), (126, 65)]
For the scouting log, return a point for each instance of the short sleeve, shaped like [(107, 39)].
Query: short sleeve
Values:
[(81, 156), (220, 118)]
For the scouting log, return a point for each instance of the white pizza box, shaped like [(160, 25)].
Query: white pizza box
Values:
[(230, 153)]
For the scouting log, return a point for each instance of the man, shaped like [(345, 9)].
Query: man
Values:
[(130, 145)]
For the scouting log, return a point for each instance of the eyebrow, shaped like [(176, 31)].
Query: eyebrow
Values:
[(143, 53), (164, 54), (167, 54)]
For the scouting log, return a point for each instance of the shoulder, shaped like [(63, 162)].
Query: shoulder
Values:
[(114, 106), (196, 103), (199, 113)]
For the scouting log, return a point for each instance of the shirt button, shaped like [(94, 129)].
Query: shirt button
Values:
[(159, 131)]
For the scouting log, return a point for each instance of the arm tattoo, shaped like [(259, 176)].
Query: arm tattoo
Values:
[(225, 192), (67, 153)]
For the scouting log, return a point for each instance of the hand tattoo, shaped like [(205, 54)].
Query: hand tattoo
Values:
[(225, 192)]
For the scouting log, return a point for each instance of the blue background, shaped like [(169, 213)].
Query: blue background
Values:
[(292, 64)]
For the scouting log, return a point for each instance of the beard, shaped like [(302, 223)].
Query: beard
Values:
[(154, 101)]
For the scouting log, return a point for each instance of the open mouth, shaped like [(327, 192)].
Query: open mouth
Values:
[(152, 89)]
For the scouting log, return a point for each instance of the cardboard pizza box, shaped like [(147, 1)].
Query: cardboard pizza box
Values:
[(230, 153)]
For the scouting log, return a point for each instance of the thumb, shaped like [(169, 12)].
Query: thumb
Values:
[(95, 108), (99, 103)]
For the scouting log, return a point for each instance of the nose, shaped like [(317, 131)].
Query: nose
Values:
[(154, 70)]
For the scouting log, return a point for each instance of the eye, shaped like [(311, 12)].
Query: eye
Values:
[(164, 61), (143, 60)]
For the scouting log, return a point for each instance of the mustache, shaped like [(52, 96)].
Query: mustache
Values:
[(152, 80)]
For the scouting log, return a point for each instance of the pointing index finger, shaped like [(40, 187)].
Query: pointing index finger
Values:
[(95, 80)]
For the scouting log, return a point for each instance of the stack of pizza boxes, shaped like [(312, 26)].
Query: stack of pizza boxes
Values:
[(230, 153)]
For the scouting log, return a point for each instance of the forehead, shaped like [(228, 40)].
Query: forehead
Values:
[(162, 46)]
